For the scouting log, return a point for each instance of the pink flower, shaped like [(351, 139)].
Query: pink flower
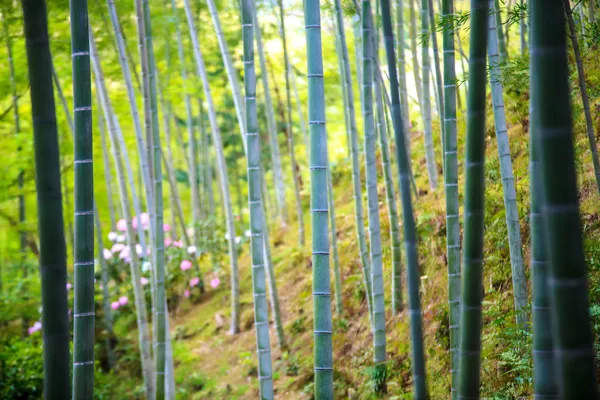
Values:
[(214, 282), (123, 300), (122, 225), (195, 281), (107, 254), (166, 227), (178, 243), (144, 281), (36, 327), (134, 222), (185, 265), (138, 249), (144, 220), (117, 247), (168, 242), (125, 253), (115, 305), (69, 286), (186, 293)]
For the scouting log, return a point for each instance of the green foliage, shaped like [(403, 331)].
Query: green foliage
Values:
[(21, 368), (379, 375)]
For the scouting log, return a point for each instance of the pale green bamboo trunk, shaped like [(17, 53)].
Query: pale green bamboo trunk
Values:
[(108, 317), (513, 225), (400, 49), (272, 128), (255, 203), (222, 169), (289, 125), (121, 161), (413, 48), (355, 156), (379, 340), (451, 191), (323, 329), (432, 172)]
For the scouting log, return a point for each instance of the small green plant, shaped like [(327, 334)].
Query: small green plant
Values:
[(298, 326), (379, 375)]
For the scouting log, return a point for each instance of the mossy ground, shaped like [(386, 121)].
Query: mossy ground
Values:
[(211, 364)]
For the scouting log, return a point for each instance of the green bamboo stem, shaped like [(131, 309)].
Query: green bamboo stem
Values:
[(451, 190), (382, 129), (355, 157), (379, 342), (289, 125), (390, 191), (567, 278), (472, 275), (126, 71), (513, 225), (123, 168), (589, 121), (501, 40), (192, 146), (271, 280), (108, 317), (53, 269), (439, 86), (83, 315), (107, 172), (257, 220), (410, 236), (323, 346), (400, 49), (413, 48), (432, 172), (337, 275), (160, 313), (230, 71), (338, 52), (222, 168), (272, 128), (545, 385)]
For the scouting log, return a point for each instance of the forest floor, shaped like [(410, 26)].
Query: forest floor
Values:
[(212, 364)]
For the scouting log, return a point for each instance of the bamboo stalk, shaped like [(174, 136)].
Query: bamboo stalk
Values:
[(323, 346), (53, 257), (255, 203), (123, 167), (379, 340), (222, 168), (567, 278), (83, 315), (451, 190), (472, 275)]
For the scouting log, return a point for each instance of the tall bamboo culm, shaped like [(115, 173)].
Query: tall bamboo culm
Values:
[(410, 234), (432, 172), (53, 252), (472, 276), (272, 127), (257, 220), (379, 345), (506, 172), (323, 346), (83, 315), (355, 157), (567, 278), (222, 169), (121, 161), (451, 187), (544, 358)]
